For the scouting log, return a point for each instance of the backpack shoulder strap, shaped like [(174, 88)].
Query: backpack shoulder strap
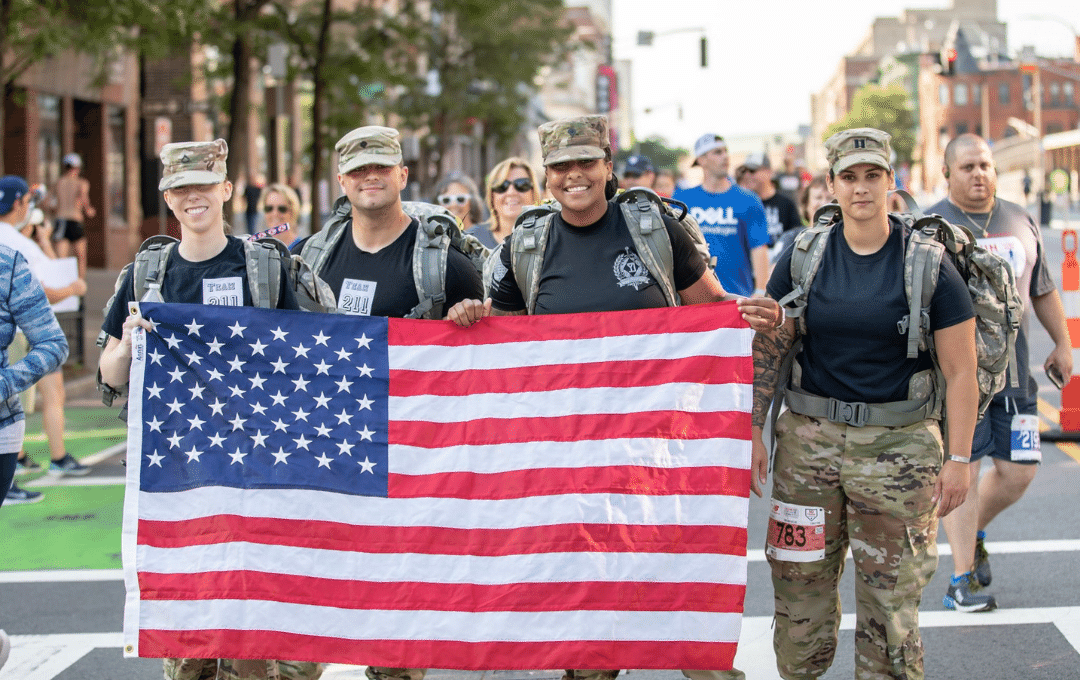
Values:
[(922, 261), (806, 257), (263, 260), (528, 243), (641, 209), (317, 248), (433, 239), (150, 263)]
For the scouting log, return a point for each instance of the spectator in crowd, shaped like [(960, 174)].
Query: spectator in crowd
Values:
[(638, 172), (780, 211), (281, 206), (458, 194), (72, 208), (665, 182), (510, 187)]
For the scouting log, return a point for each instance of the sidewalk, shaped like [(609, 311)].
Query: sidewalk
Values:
[(81, 385)]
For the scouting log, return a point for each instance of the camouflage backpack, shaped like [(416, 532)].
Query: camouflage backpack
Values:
[(990, 283), (644, 213), (438, 232), (263, 260)]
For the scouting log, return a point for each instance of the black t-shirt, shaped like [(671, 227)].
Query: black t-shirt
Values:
[(221, 280), (781, 215), (596, 268), (382, 284), (853, 350)]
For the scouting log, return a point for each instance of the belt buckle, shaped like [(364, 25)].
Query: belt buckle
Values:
[(848, 413)]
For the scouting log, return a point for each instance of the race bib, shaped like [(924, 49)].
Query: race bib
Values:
[(796, 533), (1010, 249), (228, 291), (1025, 438), (356, 297)]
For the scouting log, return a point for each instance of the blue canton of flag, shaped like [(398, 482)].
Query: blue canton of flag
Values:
[(232, 399)]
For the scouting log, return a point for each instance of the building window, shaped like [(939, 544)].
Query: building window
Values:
[(1067, 90), (943, 94), (976, 94), (960, 94), (1055, 94), (114, 163), (49, 146), (1003, 93), (1051, 128), (961, 128)]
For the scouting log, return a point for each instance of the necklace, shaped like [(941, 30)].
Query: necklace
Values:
[(980, 230)]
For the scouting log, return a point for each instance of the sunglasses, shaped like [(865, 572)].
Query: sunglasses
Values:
[(521, 185), (280, 208), (450, 199)]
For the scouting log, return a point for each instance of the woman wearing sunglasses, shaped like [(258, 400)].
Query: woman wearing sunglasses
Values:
[(511, 186), (459, 194), (281, 206)]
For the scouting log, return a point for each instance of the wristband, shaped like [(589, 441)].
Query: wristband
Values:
[(959, 459)]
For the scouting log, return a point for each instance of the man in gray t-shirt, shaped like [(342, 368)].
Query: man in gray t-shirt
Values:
[(1009, 431)]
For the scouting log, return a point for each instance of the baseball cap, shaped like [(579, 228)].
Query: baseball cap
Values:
[(638, 165), (368, 145), (580, 138), (187, 163), (756, 161), (858, 145), (12, 188), (73, 160), (706, 143)]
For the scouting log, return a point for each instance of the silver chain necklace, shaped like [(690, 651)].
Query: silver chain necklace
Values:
[(983, 229)]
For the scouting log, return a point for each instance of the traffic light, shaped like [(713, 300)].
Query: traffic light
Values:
[(948, 62), (704, 52)]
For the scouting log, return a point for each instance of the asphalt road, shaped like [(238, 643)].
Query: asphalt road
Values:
[(66, 624)]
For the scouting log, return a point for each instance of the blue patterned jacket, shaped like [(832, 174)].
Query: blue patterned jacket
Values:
[(23, 305)]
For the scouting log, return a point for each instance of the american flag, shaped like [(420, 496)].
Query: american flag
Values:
[(547, 492)]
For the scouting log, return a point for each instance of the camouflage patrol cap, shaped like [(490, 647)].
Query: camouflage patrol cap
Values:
[(193, 163), (368, 145), (858, 145), (579, 138)]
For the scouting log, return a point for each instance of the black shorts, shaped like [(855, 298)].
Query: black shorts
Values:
[(68, 229), (993, 434)]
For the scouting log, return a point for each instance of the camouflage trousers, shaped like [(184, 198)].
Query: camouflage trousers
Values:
[(383, 673), (693, 675), (240, 669), (875, 485)]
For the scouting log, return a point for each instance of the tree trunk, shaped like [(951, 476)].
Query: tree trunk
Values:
[(318, 114), (6, 83)]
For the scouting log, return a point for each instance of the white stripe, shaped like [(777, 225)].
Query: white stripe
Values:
[(486, 459), (1076, 357), (53, 480), (464, 569), (689, 397), (303, 504), (44, 657), (1070, 300), (724, 342), (62, 576), (439, 625)]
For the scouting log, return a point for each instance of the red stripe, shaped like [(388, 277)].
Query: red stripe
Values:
[(620, 479), (721, 540), (497, 330), (650, 424), (707, 370), (240, 644), (448, 597)]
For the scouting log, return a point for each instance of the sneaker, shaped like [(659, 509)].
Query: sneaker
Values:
[(5, 648), (963, 595), (68, 466), (17, 496), (26, 466), (981, 568)]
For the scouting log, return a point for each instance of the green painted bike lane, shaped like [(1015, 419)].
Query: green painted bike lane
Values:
[(77, 525)]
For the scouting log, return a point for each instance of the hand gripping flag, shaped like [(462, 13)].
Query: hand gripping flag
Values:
[(530, 493)]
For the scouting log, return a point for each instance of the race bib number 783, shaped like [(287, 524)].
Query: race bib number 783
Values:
[(796, 532)]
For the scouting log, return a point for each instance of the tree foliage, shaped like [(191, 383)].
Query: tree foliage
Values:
[(659, 152), (885, 108), (482, 57)]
